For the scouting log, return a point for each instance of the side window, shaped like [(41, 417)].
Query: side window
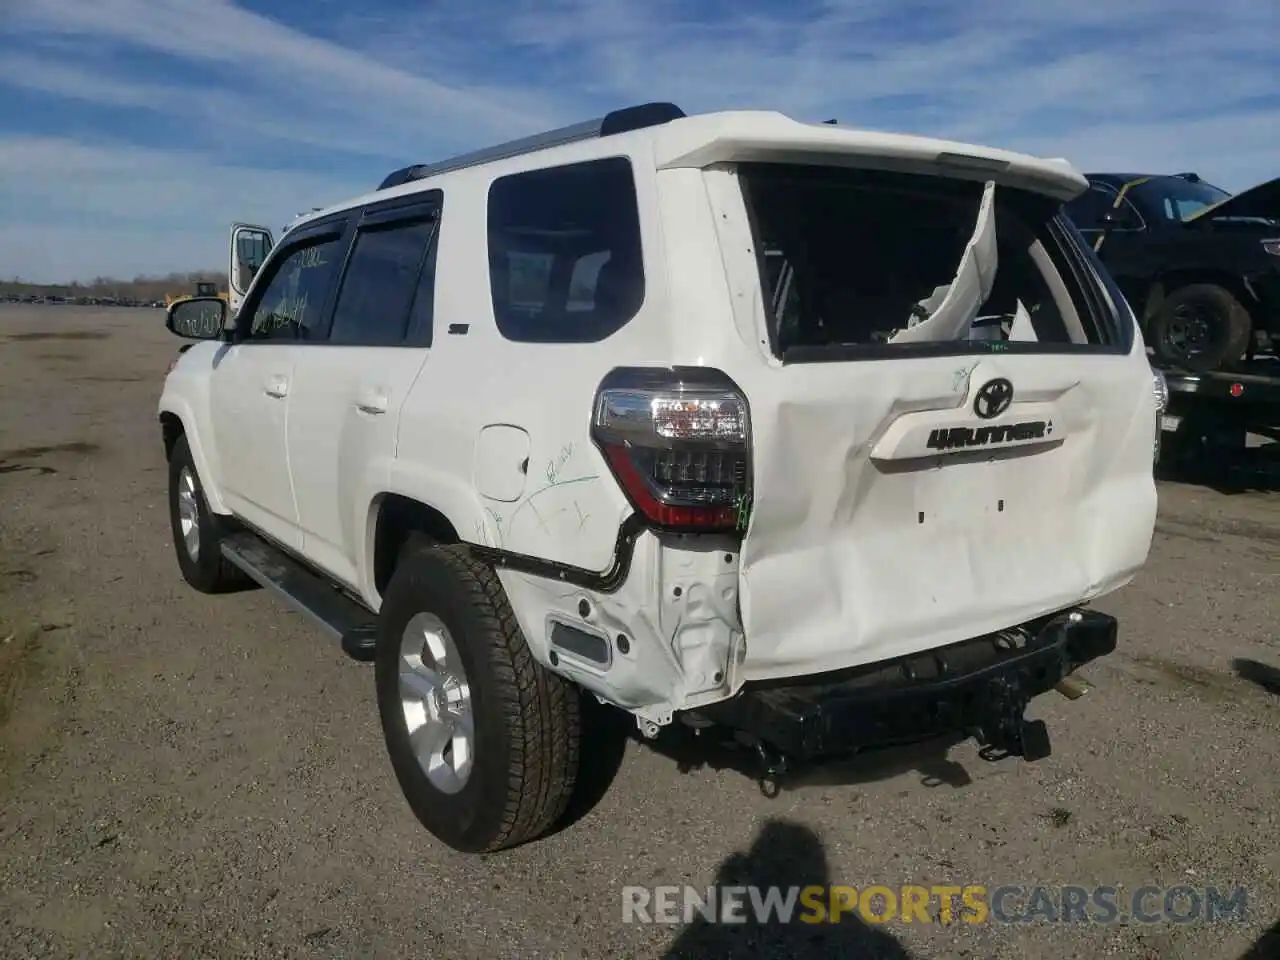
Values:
[(251, 252), (290, 305), (380, 286), (1130, 219), (528, 278), (1128, 214), (565, 257), (1086, 210), (585, 277)]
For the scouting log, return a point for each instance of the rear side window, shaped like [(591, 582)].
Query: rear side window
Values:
[(565, 259), (856, 262), (382, 282)]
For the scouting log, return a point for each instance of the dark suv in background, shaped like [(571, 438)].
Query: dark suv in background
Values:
[(1199, 266)]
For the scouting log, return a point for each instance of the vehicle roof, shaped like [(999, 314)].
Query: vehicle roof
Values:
[(1119, 178), (1116, 179), (746, 135)]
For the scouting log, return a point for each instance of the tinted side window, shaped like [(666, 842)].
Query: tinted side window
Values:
[(565, 259), (1086, 210), (1130, 219), (252, 249), (380, 283), (291, 303)]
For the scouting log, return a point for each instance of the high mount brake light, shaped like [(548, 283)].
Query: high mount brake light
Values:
[(679, 443)]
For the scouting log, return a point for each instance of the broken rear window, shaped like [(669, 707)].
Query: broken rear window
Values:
[(875, 263)]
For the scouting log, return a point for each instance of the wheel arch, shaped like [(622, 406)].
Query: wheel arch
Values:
[(393, 519), (175, 422), (1171, 280)]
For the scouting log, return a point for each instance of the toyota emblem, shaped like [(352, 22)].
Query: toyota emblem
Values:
[(993, 398)]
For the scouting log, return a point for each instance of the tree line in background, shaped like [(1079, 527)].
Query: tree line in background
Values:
[(142, 289), (529, 278)]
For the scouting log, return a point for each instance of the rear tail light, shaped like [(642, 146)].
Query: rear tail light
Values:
[(679, 443), (1160, 387)]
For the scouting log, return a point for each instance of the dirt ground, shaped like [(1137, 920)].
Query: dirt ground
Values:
[(183, 775)]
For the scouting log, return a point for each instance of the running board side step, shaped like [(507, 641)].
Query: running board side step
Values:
[(342, 618)]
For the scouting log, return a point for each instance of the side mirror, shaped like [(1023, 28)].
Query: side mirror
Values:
[(197, 318)]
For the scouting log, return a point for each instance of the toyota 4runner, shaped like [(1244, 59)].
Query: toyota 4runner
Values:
[(822, 437)]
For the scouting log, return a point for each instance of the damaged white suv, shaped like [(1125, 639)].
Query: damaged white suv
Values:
[(818, 436)]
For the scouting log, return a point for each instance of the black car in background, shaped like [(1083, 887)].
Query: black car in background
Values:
[(1199, 266)]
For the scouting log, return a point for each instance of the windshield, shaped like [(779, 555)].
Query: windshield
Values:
[(1179, 199)]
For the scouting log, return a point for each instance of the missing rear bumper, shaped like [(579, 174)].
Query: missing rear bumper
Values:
[(978, 688)]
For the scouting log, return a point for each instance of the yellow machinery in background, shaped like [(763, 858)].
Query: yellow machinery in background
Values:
[(204, 288)]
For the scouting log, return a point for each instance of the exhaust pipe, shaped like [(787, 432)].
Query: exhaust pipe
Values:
[(1072, 687)]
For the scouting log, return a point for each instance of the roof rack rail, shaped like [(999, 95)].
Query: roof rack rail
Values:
[(618, 121)]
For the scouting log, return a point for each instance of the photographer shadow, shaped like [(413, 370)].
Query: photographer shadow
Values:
[(785, 855)]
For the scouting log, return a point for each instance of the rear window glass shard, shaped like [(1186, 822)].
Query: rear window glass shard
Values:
[(858, 262), (565, 255)]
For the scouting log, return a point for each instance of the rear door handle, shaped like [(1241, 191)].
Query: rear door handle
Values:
[(372, 400), (277, 387)]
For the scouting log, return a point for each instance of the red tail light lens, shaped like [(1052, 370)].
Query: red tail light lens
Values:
[(679, 443)]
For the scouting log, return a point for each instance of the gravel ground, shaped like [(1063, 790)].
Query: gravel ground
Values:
[(183, 775)]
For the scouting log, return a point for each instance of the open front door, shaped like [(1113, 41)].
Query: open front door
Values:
[(249, 246)]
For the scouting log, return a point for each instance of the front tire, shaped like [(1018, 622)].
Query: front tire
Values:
[(197, 530), (483, 739), (1201, 327)]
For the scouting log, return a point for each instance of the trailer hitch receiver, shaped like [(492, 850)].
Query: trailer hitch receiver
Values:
[(1005, 731)]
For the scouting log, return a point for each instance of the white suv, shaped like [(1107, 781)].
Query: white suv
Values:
[(819, 437)]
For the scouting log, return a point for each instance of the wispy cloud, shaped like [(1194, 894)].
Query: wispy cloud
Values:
[(116, 209), (254, 70), (192, 112)]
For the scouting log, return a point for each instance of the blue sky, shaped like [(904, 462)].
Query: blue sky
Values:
[(132, 132)]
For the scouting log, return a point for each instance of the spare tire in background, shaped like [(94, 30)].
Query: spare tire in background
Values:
[(1200, 327)]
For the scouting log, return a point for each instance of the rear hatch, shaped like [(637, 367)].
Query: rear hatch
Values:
[(952, 426)]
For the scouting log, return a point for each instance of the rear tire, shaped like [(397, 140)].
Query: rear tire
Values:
[(197, 530), (1201, 327), (524, 721)]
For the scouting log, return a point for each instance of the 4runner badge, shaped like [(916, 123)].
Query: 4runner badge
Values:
[(993, 398), (956, 438)]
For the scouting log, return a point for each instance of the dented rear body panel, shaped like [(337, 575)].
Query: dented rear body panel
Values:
[(881, 546), (896, 506)]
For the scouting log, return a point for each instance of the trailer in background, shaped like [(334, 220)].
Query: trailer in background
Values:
[(1223, 421)]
